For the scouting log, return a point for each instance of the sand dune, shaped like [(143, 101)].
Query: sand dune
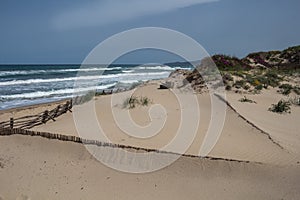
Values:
[(239, 140), (283, 128), (265, 144), (63, 170)]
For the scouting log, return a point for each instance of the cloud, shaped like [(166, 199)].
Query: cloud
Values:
[(103, 12)]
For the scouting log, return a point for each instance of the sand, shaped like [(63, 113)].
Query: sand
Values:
[(39, 168), (239, 140), (265, 143)]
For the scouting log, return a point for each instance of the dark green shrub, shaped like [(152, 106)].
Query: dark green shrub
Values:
[(133, 101), (272, 78), (285, 89), (227, 77), (281, 107), (144, 101), (296, 89), (239, 84), (246, 87), (228, 87), (239, 74), (259, 87), (130, 102)]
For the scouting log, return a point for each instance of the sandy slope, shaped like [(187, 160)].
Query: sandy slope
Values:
[(284, 128), (39, 168), (239, 140), (49, 169)]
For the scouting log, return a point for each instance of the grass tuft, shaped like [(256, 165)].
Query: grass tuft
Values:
[(245, 99), (134, 101)]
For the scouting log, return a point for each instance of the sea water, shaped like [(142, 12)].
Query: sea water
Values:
[(22, 85)]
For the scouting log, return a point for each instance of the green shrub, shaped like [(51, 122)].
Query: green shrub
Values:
[(281, 107), (246, 87), (228, 87), (133, 101), (227, 77), (130, 102), (285, 89), (144, 101), (259, 87), (239, 84), (245, 99), (272, 78), (239, 74), (296, 89)]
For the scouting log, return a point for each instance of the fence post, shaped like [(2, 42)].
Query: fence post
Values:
[(11, 123), (71, 104), (56, 111), (45, 116), (66, 107)]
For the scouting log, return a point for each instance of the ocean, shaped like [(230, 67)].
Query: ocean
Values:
[(22, 85)]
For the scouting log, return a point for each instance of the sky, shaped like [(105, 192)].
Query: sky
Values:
[(64, 31)]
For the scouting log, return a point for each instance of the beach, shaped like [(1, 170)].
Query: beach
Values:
[(228, 134), (150, 100), (256, 157)]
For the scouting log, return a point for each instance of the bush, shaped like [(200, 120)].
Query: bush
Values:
[(256, 82), (296, 89), (259, 87), (239, 74), (246, 87), (285, 89), (227, 77), (133, 101), (228, 87), (245, 99), (272, 78), (144, 101), (281, 107), (239, 84)]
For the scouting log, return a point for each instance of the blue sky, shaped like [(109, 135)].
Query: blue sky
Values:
[(41, 32)]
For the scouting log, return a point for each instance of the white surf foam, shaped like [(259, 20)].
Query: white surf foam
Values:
[(36, 81), (39, 94)]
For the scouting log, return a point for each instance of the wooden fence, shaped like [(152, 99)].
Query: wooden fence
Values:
[(70, 138), (31, 121)]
